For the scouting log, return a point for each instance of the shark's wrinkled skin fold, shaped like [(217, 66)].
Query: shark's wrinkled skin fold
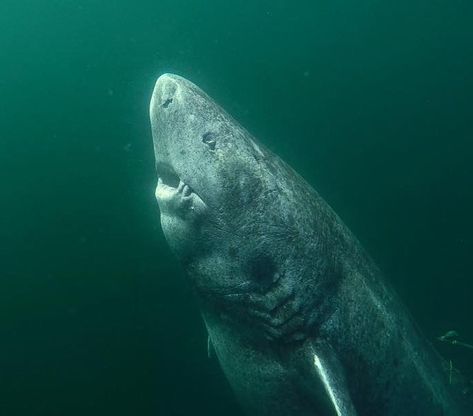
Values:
[(300, 318)]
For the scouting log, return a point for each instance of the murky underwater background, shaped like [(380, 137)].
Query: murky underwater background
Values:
[(371, 101)]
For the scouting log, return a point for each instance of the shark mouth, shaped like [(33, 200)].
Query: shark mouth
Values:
[(165, 191), (170, 184), (167, 175), (173, 195)]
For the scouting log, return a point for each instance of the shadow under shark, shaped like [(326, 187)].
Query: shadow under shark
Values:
[(301, 319)]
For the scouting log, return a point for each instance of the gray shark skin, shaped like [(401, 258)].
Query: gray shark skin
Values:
[(300, 318)]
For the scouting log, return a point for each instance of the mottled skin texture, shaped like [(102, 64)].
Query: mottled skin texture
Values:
[(300, 317)]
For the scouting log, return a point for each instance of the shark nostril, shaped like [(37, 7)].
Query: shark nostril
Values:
[(166, 103), (167, 175), (209, 139)]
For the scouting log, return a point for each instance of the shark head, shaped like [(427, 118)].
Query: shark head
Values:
[(204, 159), (234, 214), (209, 168)]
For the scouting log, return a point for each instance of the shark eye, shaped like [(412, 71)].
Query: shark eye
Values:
[(209, 139)]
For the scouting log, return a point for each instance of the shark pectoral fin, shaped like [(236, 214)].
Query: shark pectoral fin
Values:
[(324, 379)]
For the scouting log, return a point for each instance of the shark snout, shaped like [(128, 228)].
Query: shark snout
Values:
[(196, 144), (165, 93), (178, 201)]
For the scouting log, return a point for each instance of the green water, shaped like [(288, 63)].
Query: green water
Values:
[(370, 100)]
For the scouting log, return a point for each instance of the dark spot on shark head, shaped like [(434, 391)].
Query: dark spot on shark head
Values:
[(233, 252), (262, 270)]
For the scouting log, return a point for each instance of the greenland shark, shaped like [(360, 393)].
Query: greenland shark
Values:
[(299, 316)]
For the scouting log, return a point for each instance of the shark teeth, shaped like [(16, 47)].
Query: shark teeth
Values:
[(165, 191), (184, 189)]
